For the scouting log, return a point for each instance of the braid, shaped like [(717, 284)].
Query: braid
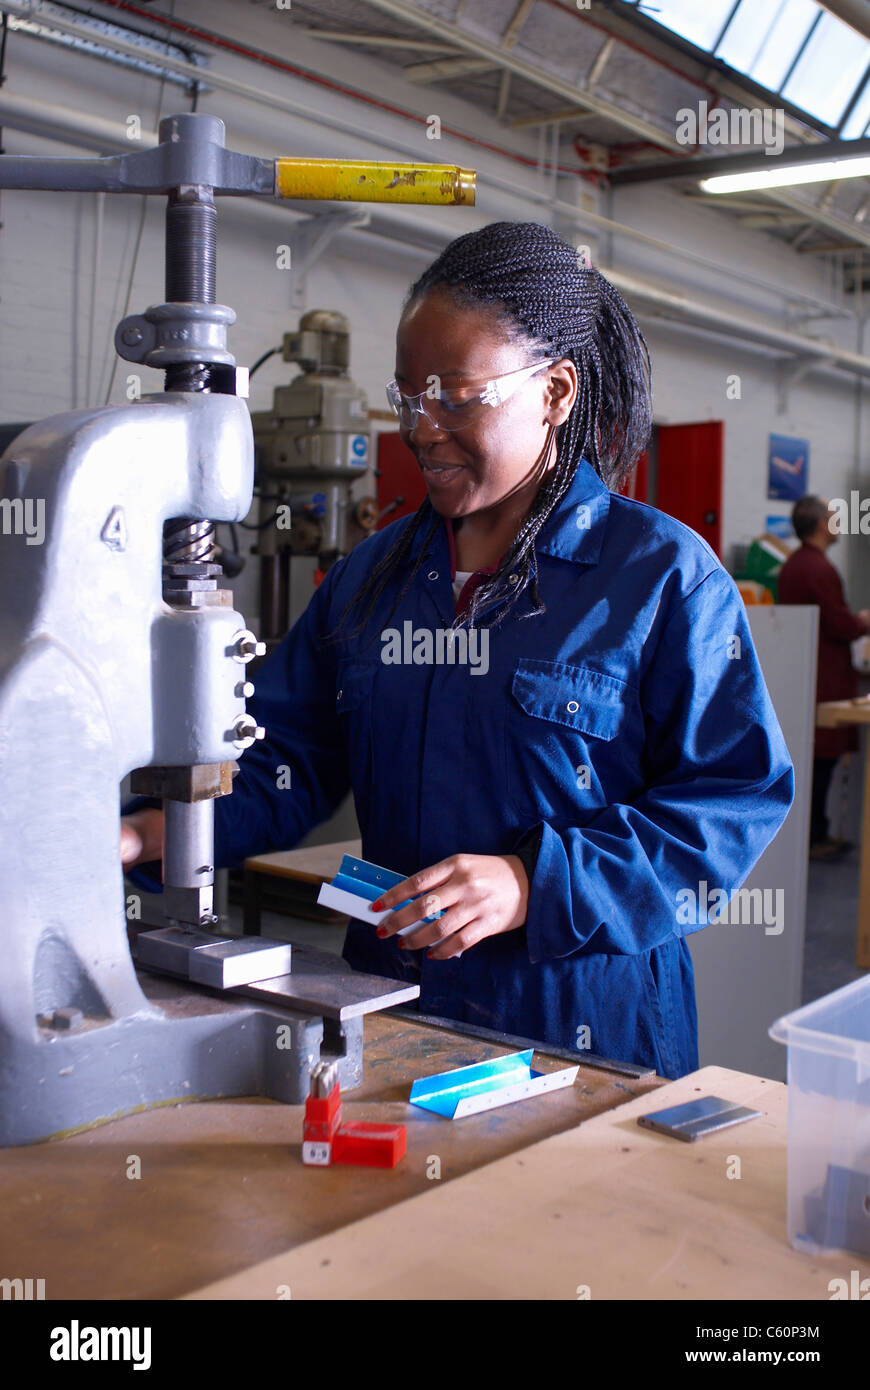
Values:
[(553, 304), (386, 567)]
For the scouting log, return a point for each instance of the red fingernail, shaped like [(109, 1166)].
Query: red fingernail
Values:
[(376, 907), (381, 931)]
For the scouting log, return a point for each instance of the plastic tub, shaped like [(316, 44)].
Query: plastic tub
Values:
[(829, 1120)]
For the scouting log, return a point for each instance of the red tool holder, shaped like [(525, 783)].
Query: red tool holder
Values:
[(325, 1140)]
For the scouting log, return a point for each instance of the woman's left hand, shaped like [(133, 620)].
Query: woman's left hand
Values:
[(481, 895)]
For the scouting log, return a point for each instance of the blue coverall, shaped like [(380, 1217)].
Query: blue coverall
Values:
[(630, 722)]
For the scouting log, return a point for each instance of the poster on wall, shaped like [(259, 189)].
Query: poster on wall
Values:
[(787, 468)]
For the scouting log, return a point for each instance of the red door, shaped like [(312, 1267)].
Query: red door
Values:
[(401, 488), (684, 480), (689, 477)]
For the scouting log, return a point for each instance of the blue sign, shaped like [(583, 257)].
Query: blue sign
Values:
[(788, 464), (360, 445), (780, 526)]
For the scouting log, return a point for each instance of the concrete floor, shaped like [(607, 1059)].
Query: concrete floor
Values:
[(832, 912)]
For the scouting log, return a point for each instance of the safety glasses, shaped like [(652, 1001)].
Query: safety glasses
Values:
[(456, 407)]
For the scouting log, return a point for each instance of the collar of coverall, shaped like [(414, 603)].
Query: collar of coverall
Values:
[(574, 531)]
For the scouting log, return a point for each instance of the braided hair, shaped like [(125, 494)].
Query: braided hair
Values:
[(549, 301)]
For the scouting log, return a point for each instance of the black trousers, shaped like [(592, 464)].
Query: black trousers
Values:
[(823, 769)]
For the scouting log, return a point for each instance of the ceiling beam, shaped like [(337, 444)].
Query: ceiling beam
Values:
[(569, 91), (602, 58), (448, 68), (855, 13), (504, 90), (564, 113), (845, 228), (829, 248), (518, 19), (770, 221), (378, 40), (705, 166), (734, 203), (445, 69)]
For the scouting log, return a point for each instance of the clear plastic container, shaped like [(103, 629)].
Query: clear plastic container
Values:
[(829, 1120)]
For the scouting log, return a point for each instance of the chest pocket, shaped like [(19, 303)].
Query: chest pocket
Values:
[(571, 695), (564, 746)]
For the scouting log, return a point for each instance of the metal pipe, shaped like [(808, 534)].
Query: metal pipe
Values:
[(684, 310), (99, 209), (367, 181), (25, 114)]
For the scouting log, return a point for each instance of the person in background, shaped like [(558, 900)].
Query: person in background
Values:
[(809, 577)]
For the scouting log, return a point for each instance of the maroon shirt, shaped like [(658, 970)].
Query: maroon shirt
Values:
[(809, 577)]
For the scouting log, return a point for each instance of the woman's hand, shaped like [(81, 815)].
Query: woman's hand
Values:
[(141, 837), (481, 895)]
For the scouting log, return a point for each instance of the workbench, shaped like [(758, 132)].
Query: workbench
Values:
[(546, 1198), (606, 1210), (222, 1184), (557, 1193)]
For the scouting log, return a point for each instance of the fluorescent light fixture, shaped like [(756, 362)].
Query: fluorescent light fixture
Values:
[(791, 174)]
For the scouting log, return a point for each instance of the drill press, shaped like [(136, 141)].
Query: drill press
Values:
[(120, 653)]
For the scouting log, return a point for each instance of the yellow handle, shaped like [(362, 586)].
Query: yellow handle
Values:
[(369, 181)]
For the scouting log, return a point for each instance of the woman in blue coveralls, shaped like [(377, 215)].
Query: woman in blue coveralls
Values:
[(597, 740)]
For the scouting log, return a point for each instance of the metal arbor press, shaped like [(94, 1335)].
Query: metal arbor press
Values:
[(119, 653)]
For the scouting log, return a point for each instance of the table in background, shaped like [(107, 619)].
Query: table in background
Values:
[(839, 714), (313, 865)]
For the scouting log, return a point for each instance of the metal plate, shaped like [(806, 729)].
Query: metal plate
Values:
[(217, 961), (324, 984), (697, 1117), (320, 983)]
